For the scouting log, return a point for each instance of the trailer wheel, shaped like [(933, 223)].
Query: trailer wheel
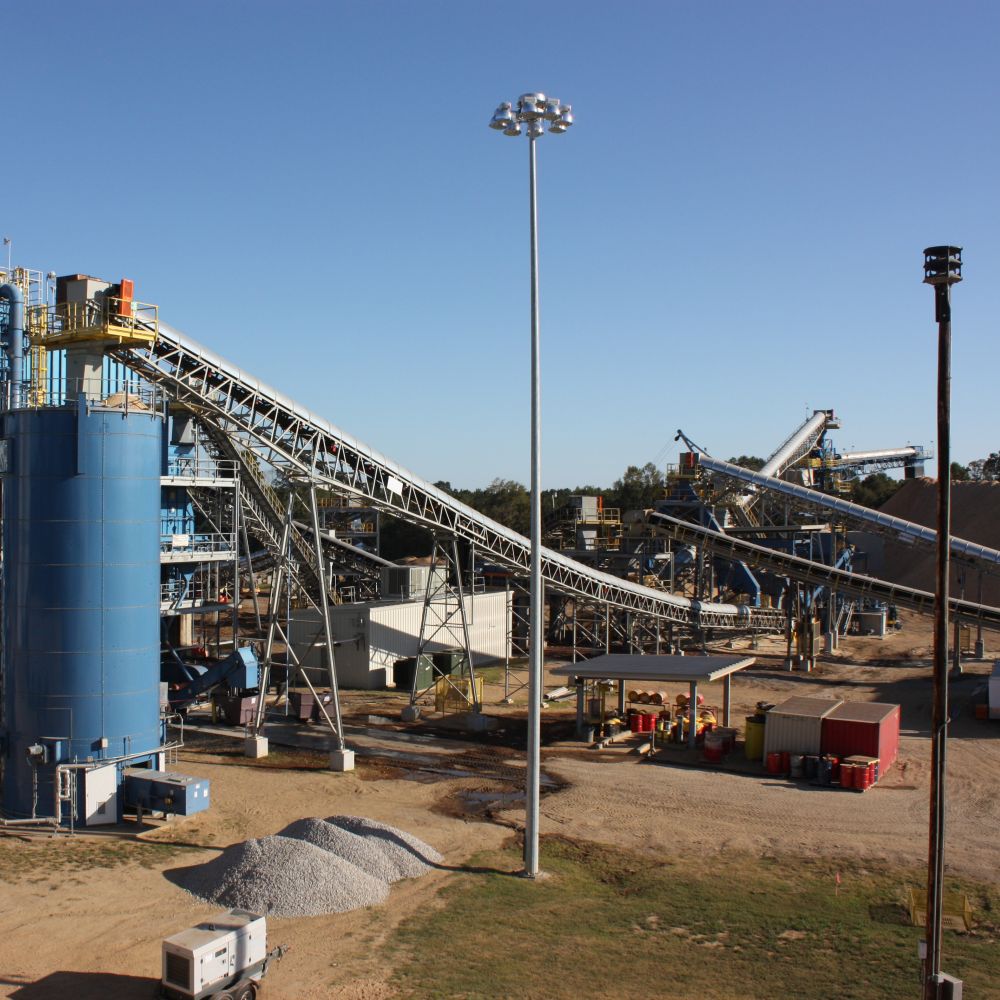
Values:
[(245, 991)]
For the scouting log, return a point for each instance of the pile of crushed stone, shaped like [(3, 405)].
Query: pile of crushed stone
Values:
[(412, 856), (312, 867)]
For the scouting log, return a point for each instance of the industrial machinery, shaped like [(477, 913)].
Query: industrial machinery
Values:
[(223, 958), (115, 427), (80, 465), (238, 674)]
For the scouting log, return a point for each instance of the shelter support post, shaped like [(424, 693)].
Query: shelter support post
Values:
[(727, 698), (693, 716)]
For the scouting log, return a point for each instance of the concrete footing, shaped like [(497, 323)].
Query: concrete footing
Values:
[(255, 746), (476, 722), (341, 760), (410, 713)]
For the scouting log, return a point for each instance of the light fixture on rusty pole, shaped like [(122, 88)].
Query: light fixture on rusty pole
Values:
[(942, 269), (533, 111)]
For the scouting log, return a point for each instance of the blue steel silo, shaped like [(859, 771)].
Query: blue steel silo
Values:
[(80, 619)]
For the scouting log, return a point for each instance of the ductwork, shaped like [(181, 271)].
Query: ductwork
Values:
[(14, 344)]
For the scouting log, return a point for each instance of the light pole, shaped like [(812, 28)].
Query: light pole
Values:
[(942, 269), (530, 116)]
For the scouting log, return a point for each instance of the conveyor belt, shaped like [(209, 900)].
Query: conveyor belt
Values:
[(906, 531), (304, 447), (817, 574)]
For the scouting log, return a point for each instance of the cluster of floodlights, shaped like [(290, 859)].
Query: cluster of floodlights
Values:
[(533, 110)]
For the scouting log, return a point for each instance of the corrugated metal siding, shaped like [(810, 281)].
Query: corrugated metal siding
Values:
[(395, 630), (385, 632), (868, 728), (797, 725)]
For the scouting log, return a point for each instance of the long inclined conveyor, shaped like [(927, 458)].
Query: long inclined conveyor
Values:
[(906, 531), (277, 431), (815, 573)]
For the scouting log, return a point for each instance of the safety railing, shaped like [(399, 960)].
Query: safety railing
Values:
[(104, 318), (130, 395), (202, 543), (603, 515), (201, 467), (180, 593)]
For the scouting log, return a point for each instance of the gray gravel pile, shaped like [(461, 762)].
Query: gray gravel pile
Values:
[(410, 854), (368, 853), (283, 876)]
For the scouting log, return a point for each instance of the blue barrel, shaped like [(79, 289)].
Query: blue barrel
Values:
[(824, 771), (81, 508)]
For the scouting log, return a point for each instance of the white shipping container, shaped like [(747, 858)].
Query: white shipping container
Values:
[(370, 638), (796, 726)]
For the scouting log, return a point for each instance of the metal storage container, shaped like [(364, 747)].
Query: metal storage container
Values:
[(796, 726), (869, 728), (586, 505)]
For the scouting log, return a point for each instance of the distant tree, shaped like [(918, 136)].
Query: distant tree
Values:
[(751, 462), (874, 490), (985, 469), (637, 489), (959, 473)]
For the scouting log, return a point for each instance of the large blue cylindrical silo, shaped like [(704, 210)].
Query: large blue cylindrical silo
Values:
[(81, 507)]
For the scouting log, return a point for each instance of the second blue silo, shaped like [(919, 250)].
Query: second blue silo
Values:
[(81, 507)]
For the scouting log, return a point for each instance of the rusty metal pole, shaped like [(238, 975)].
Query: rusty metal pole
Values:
[(942, 269)]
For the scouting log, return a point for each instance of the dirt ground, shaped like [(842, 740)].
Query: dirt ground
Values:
[(70, 929)]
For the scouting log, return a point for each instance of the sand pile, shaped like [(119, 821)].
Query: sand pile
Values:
[(313, 866)]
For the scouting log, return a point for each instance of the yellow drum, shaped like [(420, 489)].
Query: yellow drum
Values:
[(754, 739)]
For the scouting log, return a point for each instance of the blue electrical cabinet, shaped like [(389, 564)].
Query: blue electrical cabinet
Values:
[(163, 791)]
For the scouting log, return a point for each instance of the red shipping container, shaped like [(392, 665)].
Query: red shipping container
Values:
[(868, 728)]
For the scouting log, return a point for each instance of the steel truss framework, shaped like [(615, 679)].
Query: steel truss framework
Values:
[(817, 574), (271, 430), (801, 498), (444, 610)]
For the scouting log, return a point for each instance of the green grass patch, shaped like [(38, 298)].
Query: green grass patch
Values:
[(37, 860), (610, 923)]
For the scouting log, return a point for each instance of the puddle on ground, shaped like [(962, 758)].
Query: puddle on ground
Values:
[(476, 799), (381, 720)]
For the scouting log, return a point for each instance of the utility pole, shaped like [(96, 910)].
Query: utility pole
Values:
[(942, 269)]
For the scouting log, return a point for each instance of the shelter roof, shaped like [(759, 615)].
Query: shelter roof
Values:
[(626, 667)]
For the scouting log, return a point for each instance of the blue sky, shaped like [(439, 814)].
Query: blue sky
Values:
[(731, 234)]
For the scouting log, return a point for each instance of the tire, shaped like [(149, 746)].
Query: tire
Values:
[(224, 995), (245, 991)]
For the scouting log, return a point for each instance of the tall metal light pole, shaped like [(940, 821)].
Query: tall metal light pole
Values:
[(530, 116), (942, 269)]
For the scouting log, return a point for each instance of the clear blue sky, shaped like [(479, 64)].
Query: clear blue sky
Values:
[(731, 234)]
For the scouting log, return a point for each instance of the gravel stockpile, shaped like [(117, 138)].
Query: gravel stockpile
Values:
[(283, 876), (410, 854), (367, 853)]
